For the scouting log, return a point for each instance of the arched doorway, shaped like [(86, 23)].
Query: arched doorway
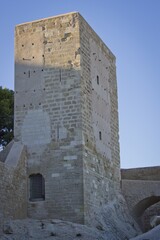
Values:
[(139, 209)]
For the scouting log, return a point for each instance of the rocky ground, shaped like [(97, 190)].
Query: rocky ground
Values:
[(112, 222), (30, 229), (49, 229), (153, 234)]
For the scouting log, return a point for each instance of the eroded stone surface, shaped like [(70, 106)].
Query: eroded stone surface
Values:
[(66, 113), (112, 223)]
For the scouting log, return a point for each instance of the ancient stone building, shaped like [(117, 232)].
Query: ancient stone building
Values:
[(66, 115)]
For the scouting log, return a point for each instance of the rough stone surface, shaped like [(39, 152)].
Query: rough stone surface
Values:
[(112, 224), (51, 229), (153, 234), (13, 185), (148, 214), (155, 221), (8, 228), (146, 173), (66, 113), (135, 191), (61, 230), (141, 189)]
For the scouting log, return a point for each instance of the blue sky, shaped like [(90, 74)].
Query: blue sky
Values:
[(131, 29)]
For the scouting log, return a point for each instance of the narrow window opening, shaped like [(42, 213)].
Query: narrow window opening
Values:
[(60, 75), (32, 43), (100, 135), (57, 133), (97, 79), (37, 187)]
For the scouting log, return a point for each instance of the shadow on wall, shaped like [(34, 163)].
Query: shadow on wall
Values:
[(41, 95), (54, 109), (53, 99)]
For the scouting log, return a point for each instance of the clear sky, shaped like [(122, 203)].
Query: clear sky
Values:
[(131, 29)]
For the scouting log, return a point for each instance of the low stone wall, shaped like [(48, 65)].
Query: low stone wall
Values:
[(141, 189), (13, 186), (146, 173)]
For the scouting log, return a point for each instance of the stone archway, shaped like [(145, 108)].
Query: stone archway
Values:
[(141, 206), (153, 210)]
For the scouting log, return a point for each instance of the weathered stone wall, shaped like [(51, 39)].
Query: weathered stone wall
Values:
[(136, 191), (47, 112), (66, 115), (99, 122), (13, 188), (146, 173), (140, 183), (141, 189)]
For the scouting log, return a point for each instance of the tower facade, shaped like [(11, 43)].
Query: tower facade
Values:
[(66, 115)]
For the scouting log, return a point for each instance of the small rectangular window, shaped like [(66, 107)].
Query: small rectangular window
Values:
[(37, 187), (100, 135), (97, 79)]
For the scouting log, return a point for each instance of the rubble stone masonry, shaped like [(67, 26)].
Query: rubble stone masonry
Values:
[(13, 187)]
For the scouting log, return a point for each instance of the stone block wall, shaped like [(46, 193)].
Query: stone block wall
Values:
[(66, 114), (146, 173), (141, 189), (100, 130), (47, 112)]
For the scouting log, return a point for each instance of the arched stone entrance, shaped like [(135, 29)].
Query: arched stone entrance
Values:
[(139, 211)]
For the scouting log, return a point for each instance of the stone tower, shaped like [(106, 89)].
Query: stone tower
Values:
[(66, 115)]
